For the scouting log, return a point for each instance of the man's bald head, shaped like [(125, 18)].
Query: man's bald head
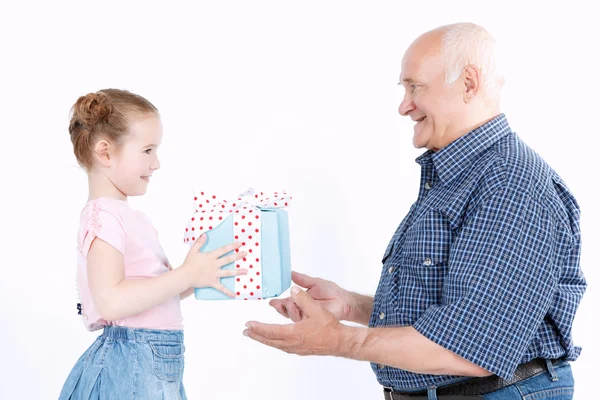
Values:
[(451, 81)]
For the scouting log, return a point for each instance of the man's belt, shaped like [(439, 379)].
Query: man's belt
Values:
[(474, 388)]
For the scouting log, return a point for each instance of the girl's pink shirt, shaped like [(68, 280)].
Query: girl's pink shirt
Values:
[(133, 235)]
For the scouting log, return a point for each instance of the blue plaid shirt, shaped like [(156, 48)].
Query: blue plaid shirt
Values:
[(486, 263)]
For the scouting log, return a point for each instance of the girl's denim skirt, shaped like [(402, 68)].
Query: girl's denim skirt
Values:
[(129, 363)]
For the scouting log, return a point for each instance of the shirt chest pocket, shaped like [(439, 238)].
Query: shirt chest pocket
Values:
[(423, 264), (392, 245), (428, 239)]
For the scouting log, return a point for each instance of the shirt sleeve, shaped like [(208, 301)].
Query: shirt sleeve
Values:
[(105, 224), (499, 284)]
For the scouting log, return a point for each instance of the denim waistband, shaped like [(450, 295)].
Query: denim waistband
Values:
[(142, 335)]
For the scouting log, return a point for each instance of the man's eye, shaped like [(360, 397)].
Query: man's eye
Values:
[(413, 87)]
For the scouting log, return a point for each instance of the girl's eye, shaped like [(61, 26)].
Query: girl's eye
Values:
[(147, 151)]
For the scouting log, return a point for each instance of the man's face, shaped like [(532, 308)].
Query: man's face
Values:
[(435, 106)]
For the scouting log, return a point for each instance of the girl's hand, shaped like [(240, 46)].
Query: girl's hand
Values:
[(204, 269)]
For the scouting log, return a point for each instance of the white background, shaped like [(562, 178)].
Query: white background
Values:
[(294, 95)]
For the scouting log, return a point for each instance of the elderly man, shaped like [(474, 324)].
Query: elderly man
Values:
[(481, 280)]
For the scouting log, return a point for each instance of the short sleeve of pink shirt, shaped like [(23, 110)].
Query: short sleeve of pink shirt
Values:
[(102, 221), (133, 235)]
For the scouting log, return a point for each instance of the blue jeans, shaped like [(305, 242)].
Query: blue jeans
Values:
[(127, 363), (557, 384)]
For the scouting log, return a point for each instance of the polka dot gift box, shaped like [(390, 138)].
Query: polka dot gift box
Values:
[(257, 220)]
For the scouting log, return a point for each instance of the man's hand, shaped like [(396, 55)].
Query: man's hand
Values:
[(326, 293), (317, 332)]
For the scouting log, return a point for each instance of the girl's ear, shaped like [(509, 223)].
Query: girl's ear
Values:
[(102, 153)]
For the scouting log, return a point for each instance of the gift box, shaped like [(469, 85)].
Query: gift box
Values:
[(257, 220)]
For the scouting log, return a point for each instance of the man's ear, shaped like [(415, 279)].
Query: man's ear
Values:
[(472, 81), (101, 153)]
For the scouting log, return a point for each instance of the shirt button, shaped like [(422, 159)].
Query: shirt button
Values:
[(391, 269), (380, 366), (427, 185), (381, 315), (427, 261)]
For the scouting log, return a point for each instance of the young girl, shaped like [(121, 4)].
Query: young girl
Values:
[(126, 284)]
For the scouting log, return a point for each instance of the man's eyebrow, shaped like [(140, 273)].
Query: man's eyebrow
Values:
[(406, 80)]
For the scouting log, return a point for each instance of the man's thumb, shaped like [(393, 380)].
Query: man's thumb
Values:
[(303, 280), (303, 300)]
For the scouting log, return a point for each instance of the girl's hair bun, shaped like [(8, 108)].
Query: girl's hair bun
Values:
[(92, 109)]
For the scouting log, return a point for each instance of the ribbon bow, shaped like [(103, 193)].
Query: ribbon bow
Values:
[(211, 211)]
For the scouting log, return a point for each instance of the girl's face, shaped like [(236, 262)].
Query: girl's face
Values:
[(131, 168)]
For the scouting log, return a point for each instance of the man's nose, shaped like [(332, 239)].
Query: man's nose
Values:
[(406, 106)]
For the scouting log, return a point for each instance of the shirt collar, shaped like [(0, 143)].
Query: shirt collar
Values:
[(457, 156)]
